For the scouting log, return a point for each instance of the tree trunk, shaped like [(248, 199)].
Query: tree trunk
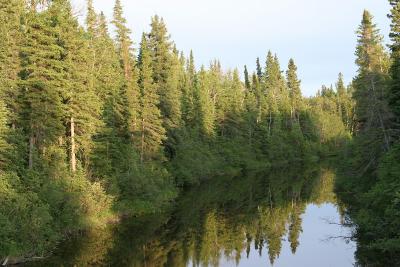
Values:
[(73, 156), (269, 124), (142, 144), (31, 148)]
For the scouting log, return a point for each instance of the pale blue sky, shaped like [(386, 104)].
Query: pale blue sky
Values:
[(318, 34)]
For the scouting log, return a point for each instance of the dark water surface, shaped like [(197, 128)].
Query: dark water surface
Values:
[(285, 218)]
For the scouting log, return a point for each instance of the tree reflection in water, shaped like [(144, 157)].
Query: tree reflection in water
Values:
[(223, 219)]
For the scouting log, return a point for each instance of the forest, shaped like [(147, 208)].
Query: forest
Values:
[(94, 129)]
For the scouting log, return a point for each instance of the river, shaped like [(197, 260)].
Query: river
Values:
[(288, 217)]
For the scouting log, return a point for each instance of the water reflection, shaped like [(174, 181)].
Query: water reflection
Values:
[(254, 220)]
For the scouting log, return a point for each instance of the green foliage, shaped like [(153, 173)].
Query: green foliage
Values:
[(89, 133), (369, 183)]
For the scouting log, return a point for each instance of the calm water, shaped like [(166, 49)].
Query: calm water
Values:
[(285, 218)]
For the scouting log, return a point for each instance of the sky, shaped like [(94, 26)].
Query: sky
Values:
[(318, 34)]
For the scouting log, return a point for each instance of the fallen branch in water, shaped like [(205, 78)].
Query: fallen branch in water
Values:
[(5, 262)]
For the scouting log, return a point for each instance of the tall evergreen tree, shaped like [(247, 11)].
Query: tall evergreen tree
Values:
[(246, 78), (152, 131), (205, 103), (343, 101), (259, 70), (124, 42), (165, 73), (11, 13), (130, 90), (4, 131), (42, 79), (293, 84), (394, 92), (91, 19), (82, 105), (372, 114), (189, 92)]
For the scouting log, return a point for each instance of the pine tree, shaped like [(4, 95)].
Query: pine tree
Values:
[(152, 131)]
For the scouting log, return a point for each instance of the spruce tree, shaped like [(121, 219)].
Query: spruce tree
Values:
[(152, 130), (11, 14), (91, 19), (42, 79), (230, 104), (4, 131), (394, 92), (130, 90), (293, 84), (272, 80), (205, 105), (259, 70), (165, 72), (189, 92), (82, 104), (124, 43), (246, 78), (342, 100), (259, 95), (370, 92)]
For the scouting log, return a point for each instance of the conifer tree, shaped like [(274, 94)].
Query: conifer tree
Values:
[(205, 103), (272, 79), (260, 97), (164, 64), (293, 84), (42, 80), (246, 78), (152, 131), (124, 43), (252, 109), (371, 111), (4, 131), (342, 101), (234, 96), (259, 70), (91, 19), (82, 105), (130, 90), (11, 13), (394, 92), (189, 92)]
